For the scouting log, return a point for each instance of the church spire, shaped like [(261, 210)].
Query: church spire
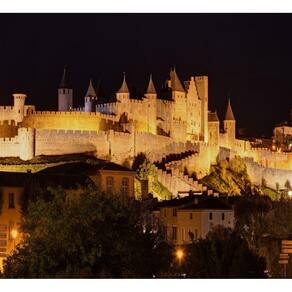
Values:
[(229, 116), (151, 87), (90, 91), (63, 83), (124, 88)]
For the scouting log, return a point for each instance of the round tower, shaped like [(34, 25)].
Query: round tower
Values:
[(65, 95), (19, 101), (123, 94), (90, 98), (26, 138)]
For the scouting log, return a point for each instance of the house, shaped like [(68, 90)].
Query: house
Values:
[(191, 218), (15, 187)]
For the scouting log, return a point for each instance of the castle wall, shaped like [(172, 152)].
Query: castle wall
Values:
[(271, 176), (61, 142), (8, 129), (65, 120)]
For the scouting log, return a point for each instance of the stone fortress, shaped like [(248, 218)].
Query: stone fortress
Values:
[(175, 120)]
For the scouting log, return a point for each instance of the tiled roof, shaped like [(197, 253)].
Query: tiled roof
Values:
[(213, 117)]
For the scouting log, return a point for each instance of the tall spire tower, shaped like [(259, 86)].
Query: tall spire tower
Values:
[(65, 94), (229, 123), (90, 98), (123, 94), (151, 96)]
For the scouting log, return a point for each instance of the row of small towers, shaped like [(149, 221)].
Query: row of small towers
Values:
[(65, 94)]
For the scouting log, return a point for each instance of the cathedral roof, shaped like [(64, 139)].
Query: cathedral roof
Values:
[(124, 88), (213, 117), (63, 83), (229, 116), (151, 88), (90, 91), (175, 82)]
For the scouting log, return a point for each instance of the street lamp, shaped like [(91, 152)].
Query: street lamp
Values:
[(179, 253), (13, 234)]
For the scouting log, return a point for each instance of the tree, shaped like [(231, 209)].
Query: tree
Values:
[(223, 254), (90, 235)]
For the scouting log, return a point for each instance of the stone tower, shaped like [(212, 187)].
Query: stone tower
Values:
[(214, 124), (123, 94), (151, 96), (202, 87), (178, 95), (229, 124), (19, 101), (26, 138), (65, 95), (90, 98)]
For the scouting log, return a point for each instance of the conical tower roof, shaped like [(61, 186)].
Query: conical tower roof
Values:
[(124, 88), (90, 91), (63, 83), (175, 82), (151, 87), (229, 116)]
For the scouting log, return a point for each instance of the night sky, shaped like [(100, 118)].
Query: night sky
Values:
[(246, 56)]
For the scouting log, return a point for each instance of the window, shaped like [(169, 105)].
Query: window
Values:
[(174, 212), (109, 184), (125, 186), (191, 216), (223, 216), (174, 233), (164, 232), (11, 201), (183, 235), (211, 216)]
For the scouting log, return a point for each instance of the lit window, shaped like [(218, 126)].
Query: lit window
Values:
[(109, 184), (211, 216), (11, 204), (125, 186)]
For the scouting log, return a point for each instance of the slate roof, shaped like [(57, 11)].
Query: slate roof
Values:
[(124, 88), (151, 87), (229, 113), (90, 91), (63, 82), (68, 175), (208, 204), (176, 85)]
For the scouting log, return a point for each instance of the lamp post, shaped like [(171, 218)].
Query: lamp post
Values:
[(14, 234), (180, 255)]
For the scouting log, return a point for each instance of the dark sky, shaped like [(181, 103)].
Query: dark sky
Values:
[(246, 55)]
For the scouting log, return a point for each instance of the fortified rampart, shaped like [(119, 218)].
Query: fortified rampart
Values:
[(83, 121), (274, 178)]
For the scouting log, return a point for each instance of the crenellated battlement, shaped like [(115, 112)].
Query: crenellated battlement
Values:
[(6, 108)]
